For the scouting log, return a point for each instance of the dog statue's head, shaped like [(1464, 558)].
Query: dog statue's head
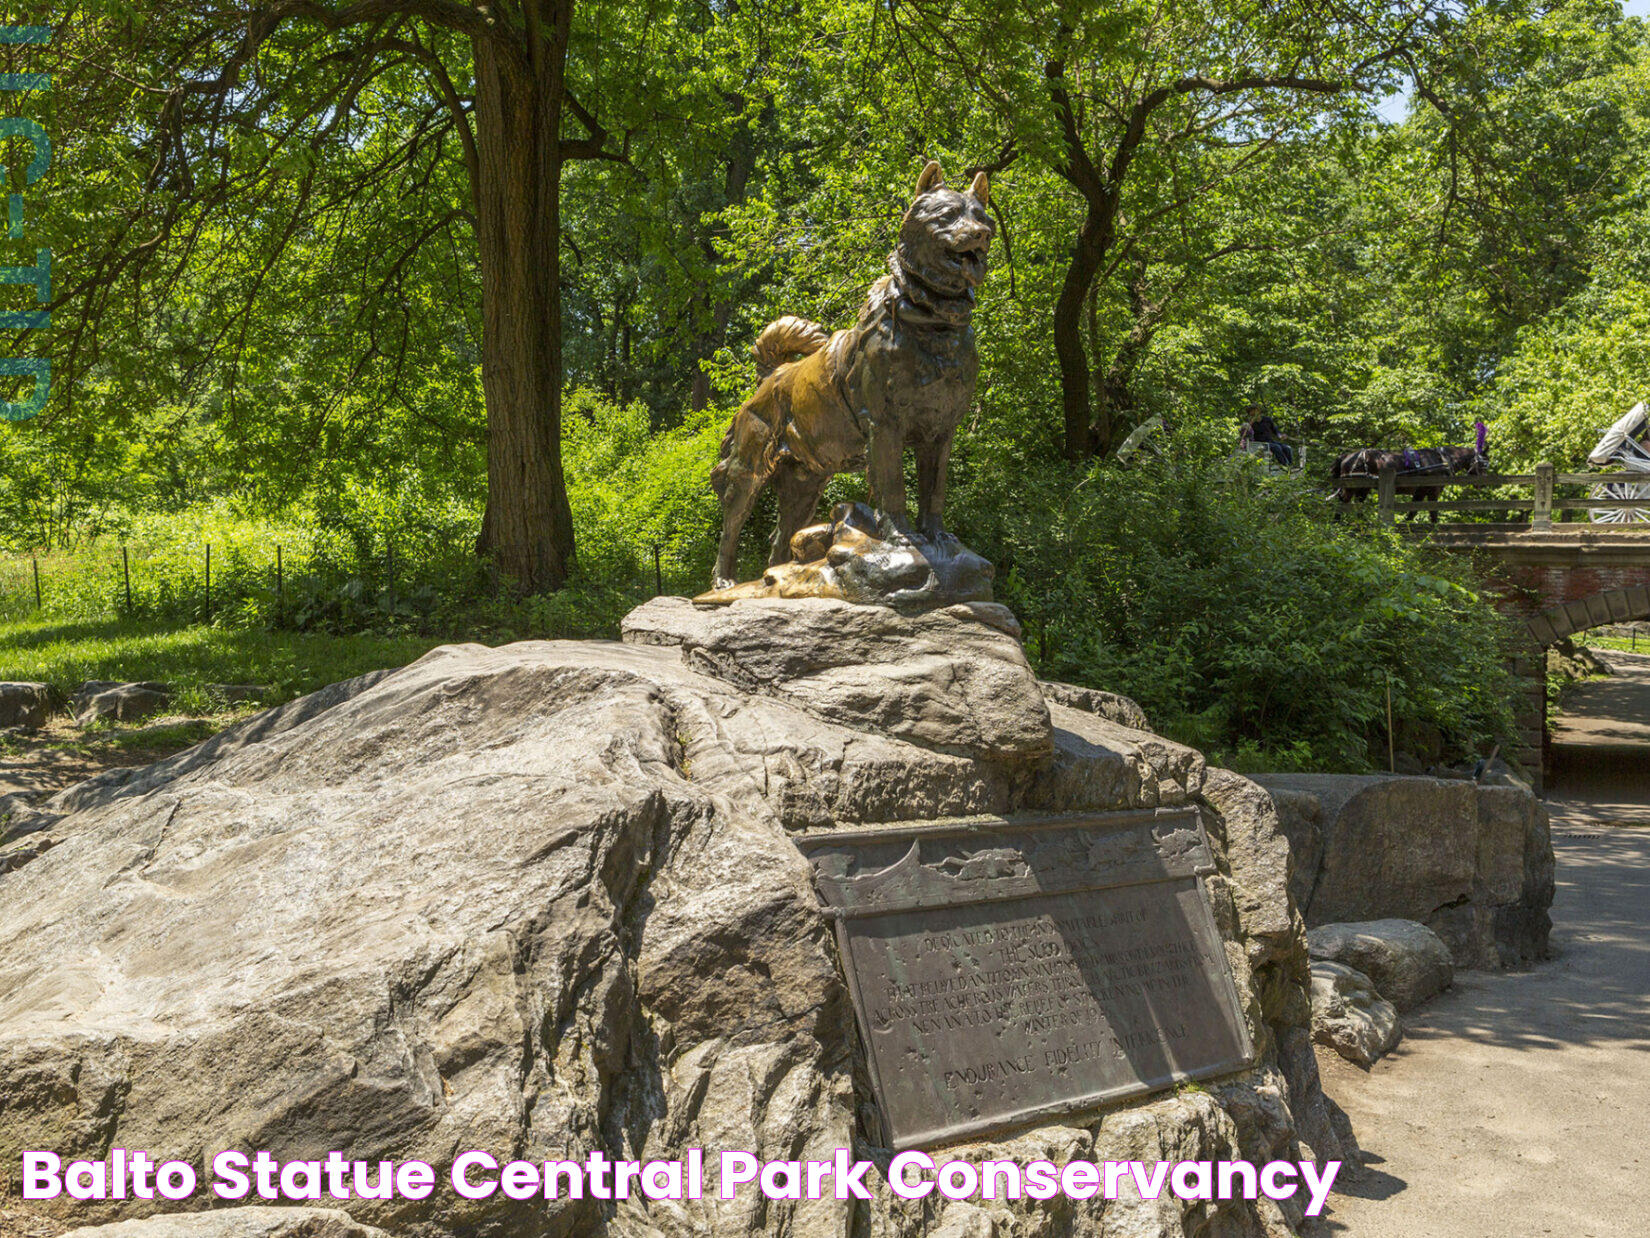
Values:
[(944, 236)]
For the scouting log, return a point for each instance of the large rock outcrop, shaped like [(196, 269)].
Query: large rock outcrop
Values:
[(1473, 863), (955, 680), (541, 899)]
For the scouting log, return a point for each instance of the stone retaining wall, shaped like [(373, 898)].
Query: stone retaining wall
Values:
[(1473, 863)]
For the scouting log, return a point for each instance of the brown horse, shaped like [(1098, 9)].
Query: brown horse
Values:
[(1441, 462)]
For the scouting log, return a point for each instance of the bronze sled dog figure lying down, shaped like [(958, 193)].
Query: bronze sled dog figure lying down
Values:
[(903, 374)]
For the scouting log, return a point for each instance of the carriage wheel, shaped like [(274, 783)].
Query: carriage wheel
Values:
[(1626, 491)]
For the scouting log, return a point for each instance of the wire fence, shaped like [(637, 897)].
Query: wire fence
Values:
[(338, 585), (203, 582), (1637, 635)]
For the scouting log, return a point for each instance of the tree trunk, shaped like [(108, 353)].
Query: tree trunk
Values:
[(1116, 395), (1114, 406), (699, 390), (741, 165), (704, 347), (1100, 424), (1117, 401), (528, 525), (1068, 339)]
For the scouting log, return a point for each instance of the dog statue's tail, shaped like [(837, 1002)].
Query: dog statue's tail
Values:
[(786, 339)]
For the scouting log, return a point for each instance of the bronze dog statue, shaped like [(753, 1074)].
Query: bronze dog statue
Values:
[(903, 374)]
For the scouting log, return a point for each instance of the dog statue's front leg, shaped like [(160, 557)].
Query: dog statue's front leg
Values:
[(932, 460), (885, 476)]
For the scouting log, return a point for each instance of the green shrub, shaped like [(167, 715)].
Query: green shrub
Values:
[(1251, 618), (1573, 375), (1244, 613), (632, 490)]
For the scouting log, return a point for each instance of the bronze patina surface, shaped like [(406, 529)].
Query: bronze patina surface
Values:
[(902, 375), (1007, 971), (856, 558)]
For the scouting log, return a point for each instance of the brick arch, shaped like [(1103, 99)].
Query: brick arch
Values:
[(1607, 606), (1550, 583)]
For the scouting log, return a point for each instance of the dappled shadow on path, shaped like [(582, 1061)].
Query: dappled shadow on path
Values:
[(1518, 1094), (1599, 762), (37, 763), (1601, 916), (1617, 708)]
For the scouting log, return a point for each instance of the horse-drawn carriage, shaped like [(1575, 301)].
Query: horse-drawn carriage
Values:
[(1623, 445), (1418, 466)]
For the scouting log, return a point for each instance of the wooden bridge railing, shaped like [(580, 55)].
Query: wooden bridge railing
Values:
[(1541, 504)]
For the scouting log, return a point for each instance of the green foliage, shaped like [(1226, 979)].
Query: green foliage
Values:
[(1230, 603), (1241, 617), (390, 559), (633, 490), (292, 355), (1573, 375)]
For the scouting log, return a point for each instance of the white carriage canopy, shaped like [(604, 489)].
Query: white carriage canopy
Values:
[(1620, 443)]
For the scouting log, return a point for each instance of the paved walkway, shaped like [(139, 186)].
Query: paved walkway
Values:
[(1601, 748), (1518, 1104)]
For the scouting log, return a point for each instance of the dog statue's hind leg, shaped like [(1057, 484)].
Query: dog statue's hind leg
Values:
[(738, 478), (738, 497), (746, 465), (798, 491)]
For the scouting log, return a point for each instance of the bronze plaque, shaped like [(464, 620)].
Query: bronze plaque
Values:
[(1006, 971)]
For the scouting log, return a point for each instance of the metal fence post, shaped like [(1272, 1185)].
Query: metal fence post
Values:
[(1541, 516), (280, 589), (1387, 492), (126, 571), (208, 582), (37, 584)]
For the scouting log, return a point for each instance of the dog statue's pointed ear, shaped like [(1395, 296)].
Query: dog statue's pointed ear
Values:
[(931, 176), (980, 190)]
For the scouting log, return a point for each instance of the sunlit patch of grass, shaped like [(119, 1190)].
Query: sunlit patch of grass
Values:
[(66, 653), (1625, 644), (162, 736)]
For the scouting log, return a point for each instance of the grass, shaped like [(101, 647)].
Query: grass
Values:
[(164, 556), (66, 652), (165, 735), (1625, 644), (337, 617)]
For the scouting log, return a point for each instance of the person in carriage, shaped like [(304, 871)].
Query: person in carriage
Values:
[(1260, 433)]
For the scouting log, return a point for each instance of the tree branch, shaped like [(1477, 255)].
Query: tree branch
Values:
[(594, 145)]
